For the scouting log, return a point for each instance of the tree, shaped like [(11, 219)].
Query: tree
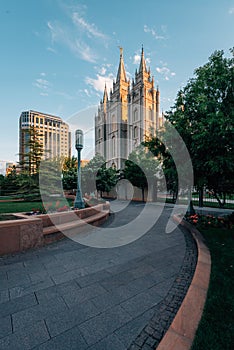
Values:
[(50, 177), (96, 177), (69, 171), (203, 115), (141, 169), (30, 158), (157, 147), (33, 151), (106, 179)]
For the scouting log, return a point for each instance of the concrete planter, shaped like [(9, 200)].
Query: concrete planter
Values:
[(32, 232)]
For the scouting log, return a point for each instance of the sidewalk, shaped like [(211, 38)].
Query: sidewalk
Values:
[(70, 296)]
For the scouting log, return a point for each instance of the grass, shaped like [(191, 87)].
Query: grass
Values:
[(18, 207), (216, 328)]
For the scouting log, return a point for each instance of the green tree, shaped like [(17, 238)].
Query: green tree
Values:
[(157, 146), (31, 157), (203, 115), (141, 169), (69, 167), (50, 177), (106, 179), (10, 183), (96, 177), (1, 183), (28, 179)]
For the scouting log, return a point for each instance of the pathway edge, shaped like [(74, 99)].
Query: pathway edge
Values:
[(181, 332)]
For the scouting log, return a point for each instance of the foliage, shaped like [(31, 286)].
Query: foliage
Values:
[(157, 147), (26, 183), (59, 205), (96, 177), (208, 221), (89, 174), (106, 179), (1, 180), (31, 157), (203, 115), (141, 169), (9, 183), (50, 178), (69, 170)]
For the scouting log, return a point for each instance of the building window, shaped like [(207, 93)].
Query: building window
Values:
[(135, 132), (99, 133), (135, 115), (114, 126), (113, 147)]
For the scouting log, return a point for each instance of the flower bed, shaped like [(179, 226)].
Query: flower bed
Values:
[(206, 221), (61, 206)]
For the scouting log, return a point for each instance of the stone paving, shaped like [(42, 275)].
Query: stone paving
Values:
[(70, 296)]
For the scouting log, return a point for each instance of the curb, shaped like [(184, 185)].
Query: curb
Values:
[(182, 331)]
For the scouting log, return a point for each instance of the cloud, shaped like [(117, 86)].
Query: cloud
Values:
[(136, 59), (147, 60), (231, 11), (87, 92), (102, 71), (83, 50), (51, 49), (42, 84), (79, 36), (46, 88), (165, 71), (90, 29), (153, 32), (76, 45), (99, 82)]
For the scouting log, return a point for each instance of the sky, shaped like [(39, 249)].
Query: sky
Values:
[(57, 55)]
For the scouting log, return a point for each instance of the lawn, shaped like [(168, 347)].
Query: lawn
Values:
[(216, 329), (16, 207), (21, 206)]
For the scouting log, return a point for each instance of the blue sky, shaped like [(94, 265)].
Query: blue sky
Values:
[(56, 55)]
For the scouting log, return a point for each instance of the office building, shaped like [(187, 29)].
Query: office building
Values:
[(53, 134)]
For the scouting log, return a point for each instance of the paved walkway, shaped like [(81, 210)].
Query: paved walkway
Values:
[(70, 296)]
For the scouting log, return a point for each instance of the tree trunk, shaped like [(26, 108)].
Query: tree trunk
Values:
[(218, 199), (200, 200)]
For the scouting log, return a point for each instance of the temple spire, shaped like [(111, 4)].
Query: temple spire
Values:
[(142, 67), (121, 75), (105, 95)]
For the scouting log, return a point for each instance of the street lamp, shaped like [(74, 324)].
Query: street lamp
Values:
[(79, 203)]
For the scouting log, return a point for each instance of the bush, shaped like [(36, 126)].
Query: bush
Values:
[(208, 221)]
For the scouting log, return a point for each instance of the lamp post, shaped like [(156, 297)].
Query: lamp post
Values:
[(79, 203)]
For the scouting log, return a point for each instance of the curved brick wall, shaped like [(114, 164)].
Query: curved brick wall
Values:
[(31, 232)]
